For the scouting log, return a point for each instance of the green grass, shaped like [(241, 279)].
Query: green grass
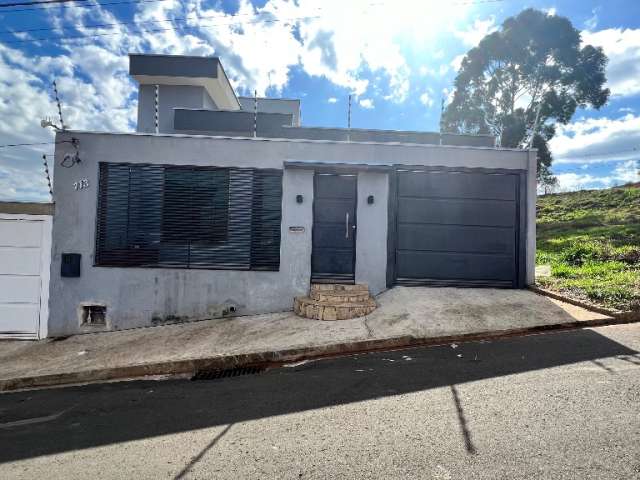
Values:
[(591, 239)]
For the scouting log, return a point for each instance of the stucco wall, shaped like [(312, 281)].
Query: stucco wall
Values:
[(138, 297), (169, 97), (532, 195), (273, 105), (371, 236)]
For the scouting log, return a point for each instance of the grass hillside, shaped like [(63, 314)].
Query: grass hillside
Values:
[(591, 240)]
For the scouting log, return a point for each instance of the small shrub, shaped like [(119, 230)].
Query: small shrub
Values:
[(578, 252), (618, 295), (562, 270), (628, 254), (601, 269)]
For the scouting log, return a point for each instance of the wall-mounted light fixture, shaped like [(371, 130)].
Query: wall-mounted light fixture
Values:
[(299, 198), (370, 199)]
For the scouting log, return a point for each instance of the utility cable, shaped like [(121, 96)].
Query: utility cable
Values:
[(84, 5), (178, 20), (39, 2)]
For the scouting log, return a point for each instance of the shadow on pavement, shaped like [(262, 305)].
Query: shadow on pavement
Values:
[(104, 414)]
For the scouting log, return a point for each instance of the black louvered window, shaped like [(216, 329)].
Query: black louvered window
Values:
[(188, 217)]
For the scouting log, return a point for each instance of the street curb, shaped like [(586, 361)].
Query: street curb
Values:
[(624, 316), (280, 357)]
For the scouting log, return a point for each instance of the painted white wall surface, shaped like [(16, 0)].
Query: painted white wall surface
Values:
[(532, 195), (138, 297), (25, 256), (371, 238)]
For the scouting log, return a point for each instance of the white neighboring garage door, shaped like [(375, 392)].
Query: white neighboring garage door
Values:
[(25, 246)]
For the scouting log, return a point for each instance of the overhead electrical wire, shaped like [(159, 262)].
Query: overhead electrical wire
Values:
[(26, 144), (124, 2), (588, 155), (183, 19), (8, 145), (83, 5), (38, 2), (117, 24), (154, 30)]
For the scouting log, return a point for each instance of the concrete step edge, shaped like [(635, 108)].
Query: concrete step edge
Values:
[(338, 296), (279, 357), (328, 303), (339, 287)]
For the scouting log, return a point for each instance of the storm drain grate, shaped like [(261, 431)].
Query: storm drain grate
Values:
[(217, 373)]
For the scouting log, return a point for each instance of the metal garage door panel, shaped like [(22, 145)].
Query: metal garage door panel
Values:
[(19, 318), (454, 238), (445, 184), (19, 261), (457, 211), (457, 227), (19, 289), (20, 233), (454, 267)]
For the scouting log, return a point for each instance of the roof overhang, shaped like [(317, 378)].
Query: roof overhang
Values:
[(206, 72), (336, 167)]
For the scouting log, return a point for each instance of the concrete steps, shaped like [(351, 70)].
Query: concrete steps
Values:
[(335, 302)]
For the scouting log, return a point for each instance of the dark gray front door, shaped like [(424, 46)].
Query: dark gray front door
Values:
[(334, 228), (457, 228)]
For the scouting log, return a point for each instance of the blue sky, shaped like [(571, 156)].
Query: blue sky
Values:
[(397, 58)]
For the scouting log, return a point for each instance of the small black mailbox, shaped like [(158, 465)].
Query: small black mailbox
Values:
[(70, 266)]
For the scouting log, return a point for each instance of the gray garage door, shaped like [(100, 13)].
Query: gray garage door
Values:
[(457, 228)]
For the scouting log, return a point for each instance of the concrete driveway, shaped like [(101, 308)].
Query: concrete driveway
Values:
[(435, 312), (405, 317)]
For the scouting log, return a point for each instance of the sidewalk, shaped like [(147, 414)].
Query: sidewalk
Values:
[(405, 317)]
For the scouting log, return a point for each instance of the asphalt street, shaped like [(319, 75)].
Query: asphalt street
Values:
[(556, 405)]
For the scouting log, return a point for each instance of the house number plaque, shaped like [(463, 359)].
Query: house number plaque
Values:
[(81, 184)]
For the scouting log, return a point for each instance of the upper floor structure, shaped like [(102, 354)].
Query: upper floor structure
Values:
[(193, 95)]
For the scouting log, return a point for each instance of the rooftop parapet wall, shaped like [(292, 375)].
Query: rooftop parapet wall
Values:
[(273, 105), (238, 123), (276, 125), (27, 208)]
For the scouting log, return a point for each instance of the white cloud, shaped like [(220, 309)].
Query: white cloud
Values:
[(623, 49), (456, 63), (592, 22), (551, 12), (426, 98), (443, 69), (610, 143), (568, 182), (626, 110), (593, 140), (332, 100), (448, 95), (471, 37), (623, 173), (627, 172), (366, 103), (351, 37), (439, 72), (345, 42)]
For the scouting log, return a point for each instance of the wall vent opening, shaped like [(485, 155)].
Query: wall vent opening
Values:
[(94, 315)]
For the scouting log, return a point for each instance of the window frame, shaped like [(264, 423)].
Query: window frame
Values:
[(272, 263)]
